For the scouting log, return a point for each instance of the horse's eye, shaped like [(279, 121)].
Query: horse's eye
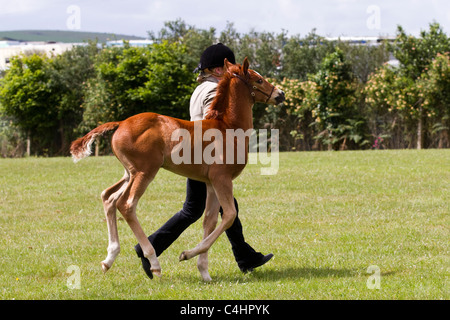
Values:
[(259, 81)]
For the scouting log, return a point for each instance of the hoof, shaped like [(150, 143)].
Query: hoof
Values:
[(183, 256), (105, 267), (206, 278), (157, 272)]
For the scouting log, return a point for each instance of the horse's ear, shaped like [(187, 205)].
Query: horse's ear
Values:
[(226, 65), (245, 66)]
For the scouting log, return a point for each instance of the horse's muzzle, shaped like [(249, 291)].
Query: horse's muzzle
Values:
[(280, 98)]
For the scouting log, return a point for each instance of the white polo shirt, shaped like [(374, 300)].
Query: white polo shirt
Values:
[(202, 98)]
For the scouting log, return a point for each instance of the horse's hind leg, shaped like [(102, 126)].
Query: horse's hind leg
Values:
[(209, 224), (127, 204), (109, 197)]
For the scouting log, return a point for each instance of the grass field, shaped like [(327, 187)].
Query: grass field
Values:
[(326, 216)]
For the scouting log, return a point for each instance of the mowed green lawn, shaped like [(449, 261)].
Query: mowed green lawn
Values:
[(328, 217)]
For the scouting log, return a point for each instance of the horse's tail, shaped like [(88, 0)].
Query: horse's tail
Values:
[(81, 148)]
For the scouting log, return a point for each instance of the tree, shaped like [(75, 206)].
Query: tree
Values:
[(390, 99), (335, 113), (416, 53), (435, 85), (26, 95), (364, 59), (170, 81), (231, 38), (43, 95), (195, 40), (302, 56), (293, 118), (71, 70), (393, 97), (415, 56), (263, 50), (132, 80)]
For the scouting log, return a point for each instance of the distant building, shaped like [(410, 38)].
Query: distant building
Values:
[(133, 43), (361, 40), (8, 43), (369, 41), (9, 49)]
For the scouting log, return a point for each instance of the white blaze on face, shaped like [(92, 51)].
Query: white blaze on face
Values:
[(257, 73)]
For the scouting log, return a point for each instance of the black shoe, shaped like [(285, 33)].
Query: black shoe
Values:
[(257, 264), (145, 262)]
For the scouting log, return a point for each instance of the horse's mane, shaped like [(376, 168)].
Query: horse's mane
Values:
[(219, 104)]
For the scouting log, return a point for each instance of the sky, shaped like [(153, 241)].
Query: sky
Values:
[(330, 18)]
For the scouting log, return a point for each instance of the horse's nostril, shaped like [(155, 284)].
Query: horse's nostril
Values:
[(281, 97)]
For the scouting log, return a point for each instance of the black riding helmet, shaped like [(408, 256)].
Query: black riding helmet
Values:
[(214, 56)]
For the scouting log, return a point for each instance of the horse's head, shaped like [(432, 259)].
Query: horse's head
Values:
[(259, 88)]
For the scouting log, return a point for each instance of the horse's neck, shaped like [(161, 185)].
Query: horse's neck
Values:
[(239, 108)]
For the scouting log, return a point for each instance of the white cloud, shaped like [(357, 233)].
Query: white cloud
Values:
[(329, 17), (19, 7)]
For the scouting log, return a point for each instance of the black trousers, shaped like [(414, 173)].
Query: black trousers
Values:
[(193, 208)]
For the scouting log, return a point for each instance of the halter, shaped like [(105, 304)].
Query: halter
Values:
[(253, 88)]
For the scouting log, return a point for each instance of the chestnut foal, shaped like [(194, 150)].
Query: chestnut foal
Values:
[(144, 143)]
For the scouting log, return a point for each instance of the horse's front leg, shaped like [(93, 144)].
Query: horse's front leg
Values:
[(209, 224), (223, 188)]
